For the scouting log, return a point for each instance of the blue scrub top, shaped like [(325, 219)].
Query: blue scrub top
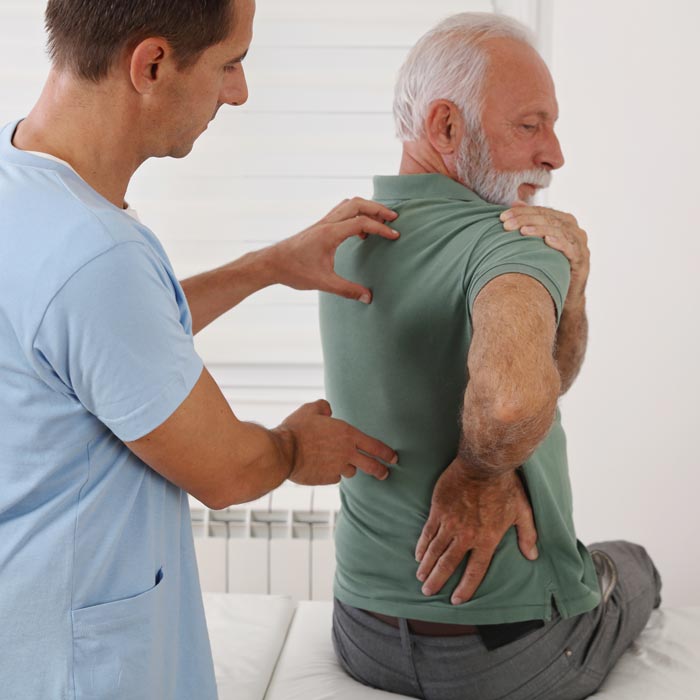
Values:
[(99, 592)]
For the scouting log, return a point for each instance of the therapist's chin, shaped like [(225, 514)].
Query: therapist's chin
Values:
[(181, 150)]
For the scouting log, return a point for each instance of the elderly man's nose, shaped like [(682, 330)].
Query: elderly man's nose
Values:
[(551, 156)]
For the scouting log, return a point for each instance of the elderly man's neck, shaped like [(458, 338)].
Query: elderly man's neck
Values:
[(420, 158)]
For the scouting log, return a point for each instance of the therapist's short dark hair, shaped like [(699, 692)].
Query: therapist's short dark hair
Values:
[(87, 36)]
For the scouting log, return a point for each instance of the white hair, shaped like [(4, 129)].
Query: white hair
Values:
[(449, 63)]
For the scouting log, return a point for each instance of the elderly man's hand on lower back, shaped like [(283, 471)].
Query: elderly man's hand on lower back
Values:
[(471, 516)]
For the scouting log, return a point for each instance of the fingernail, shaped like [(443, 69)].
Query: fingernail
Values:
[(426, 591), (420, 577), (509, 225), (395, 459), (366, 299), (527, 229), (385, 476), (395, 232), (506, 215), (456, 601), (534, 553)]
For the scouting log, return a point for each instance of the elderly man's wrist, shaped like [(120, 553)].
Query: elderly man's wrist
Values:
[(479, 472), (575, 301)]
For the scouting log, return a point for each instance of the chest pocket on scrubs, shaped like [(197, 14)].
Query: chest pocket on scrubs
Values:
[(118, 647)]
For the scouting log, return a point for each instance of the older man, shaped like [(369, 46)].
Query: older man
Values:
[(106, 412), (474, 333)]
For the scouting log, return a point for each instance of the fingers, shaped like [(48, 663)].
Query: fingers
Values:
[(526, 529), (521, 210), (360, 225), (430, 529), (346, 289), (436, 546), (560, 240), (357, 206), (375, 448), (348, 471), (321, 407), (516, 222), (477, 566), (445, 563), (370, 466)]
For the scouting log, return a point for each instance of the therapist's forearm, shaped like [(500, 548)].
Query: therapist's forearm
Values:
[(213, 293)]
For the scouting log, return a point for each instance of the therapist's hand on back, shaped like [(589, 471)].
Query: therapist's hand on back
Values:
[(206, 450), (324, 448), (306, 261)]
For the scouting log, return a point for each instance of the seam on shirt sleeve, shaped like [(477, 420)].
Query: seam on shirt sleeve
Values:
[(72, 275), (159, 408)]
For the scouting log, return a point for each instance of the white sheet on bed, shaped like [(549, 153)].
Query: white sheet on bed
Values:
[(247, 633), (664, 663)]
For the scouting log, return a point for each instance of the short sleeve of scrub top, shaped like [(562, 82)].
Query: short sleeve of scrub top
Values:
[(112, 337)]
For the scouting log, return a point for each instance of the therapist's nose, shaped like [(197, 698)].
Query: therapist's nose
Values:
[(235, 88)]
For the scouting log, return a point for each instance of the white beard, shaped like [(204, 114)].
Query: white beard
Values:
[(475, 170)]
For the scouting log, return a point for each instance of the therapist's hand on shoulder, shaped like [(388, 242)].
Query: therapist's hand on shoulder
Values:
[(471, 516), (306, 261), (326, 449)]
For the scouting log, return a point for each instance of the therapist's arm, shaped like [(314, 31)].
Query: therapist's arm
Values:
[(304, 261), (208, 452), (509, 406)]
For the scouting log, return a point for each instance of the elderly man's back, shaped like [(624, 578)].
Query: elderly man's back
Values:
[(398, 369)]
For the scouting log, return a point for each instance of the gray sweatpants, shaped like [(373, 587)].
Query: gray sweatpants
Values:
[(564, 660)]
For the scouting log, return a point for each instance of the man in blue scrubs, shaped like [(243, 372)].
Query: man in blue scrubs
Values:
[(107, 416)]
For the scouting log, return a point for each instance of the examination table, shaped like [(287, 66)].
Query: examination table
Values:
[(268, 648)]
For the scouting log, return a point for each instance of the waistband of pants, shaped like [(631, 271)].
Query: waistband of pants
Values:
[(492, 636), (431, 629)]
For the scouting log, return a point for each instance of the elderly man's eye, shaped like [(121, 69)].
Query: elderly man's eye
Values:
[(230, 68), (529, 127)]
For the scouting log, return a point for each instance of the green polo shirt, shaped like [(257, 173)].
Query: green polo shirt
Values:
[(396, 369)]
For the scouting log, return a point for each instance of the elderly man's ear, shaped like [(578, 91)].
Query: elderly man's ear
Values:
[(444, 127)]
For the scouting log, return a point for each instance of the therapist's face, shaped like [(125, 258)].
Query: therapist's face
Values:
[(216, 79)]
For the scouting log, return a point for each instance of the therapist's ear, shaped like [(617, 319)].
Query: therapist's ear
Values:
[(444, 127), (149, 61)]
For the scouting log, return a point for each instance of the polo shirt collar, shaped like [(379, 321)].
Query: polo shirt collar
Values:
[(427, 186)]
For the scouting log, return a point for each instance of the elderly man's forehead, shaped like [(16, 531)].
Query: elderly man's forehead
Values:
[(517, 73), (506, 53)]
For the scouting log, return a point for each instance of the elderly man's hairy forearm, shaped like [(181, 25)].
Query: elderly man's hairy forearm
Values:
[(514, 383)]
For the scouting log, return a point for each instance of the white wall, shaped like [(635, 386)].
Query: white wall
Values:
[(627, 75)]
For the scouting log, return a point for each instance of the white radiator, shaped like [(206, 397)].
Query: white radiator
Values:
[(280, 544)]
